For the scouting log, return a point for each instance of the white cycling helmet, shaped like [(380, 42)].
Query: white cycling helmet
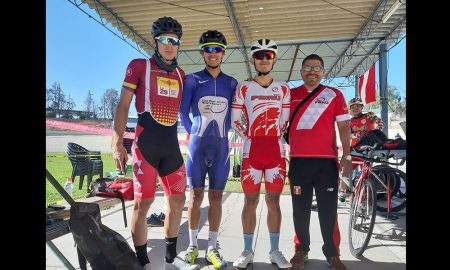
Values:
[(264, 44)]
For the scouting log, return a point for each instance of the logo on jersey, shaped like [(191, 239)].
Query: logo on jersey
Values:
[(274, 97), (129, 72), (321, 100), (363, 121), (297, 190), (167, 87), (275, 89)]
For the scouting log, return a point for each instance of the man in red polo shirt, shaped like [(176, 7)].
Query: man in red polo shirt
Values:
[(314, 162)]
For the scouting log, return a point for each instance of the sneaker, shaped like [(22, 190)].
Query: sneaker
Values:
[(162, 216), (154, 221), (147, 267), (299, 259), (245, 258), (276, 257), (190, 257), (213, 256), (342, 195), (335, 263)]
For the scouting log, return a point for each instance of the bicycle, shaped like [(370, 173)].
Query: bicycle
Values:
[(364, 194)]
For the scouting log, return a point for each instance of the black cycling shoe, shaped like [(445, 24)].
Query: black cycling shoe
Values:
[(154, 221)]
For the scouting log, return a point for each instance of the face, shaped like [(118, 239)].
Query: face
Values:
[(356, 109), (168, 51), (212, 55), (262, 62), (310, 76)]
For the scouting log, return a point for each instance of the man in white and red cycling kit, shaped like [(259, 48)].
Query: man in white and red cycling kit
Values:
[(314, 160), (264, 103), (360, 124), (157, 84)]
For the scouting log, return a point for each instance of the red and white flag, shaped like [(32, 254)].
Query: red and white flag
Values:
[(366, 87)]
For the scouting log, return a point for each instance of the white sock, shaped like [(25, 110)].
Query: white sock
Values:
[(193, 237), (212, 240)]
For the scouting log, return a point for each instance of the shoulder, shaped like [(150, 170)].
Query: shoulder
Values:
[(335, 90)]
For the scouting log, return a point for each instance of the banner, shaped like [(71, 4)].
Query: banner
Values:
[(366, 87)]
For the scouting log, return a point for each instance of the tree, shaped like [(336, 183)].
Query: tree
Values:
[(56, 98), (89, 102), (110, 99), (396, 104)]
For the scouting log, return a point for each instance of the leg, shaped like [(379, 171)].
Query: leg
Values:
[(195, 201), (215, 209), (138, 220)]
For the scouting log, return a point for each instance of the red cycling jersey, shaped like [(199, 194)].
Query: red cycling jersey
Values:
[(362, 124), (312, 133), (163, 103)]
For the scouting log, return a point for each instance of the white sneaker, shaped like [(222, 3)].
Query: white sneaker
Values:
[(147, 267), (278, 258), (245, 258)]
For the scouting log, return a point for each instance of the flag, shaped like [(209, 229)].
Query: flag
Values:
[(366, 87)]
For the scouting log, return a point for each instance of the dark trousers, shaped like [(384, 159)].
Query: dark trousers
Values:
[(322, 175)]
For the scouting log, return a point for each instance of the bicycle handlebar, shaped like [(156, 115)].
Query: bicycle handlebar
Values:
[(381, 156)]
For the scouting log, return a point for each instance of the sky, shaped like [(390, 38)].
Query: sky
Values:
[(83, 55)]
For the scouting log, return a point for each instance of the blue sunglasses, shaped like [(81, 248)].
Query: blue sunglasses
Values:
[(209, 49), (168, 40)]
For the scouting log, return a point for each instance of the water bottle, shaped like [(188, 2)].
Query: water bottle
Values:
[(398, 136), (68, 186)]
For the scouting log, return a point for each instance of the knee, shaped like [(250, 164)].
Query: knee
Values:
[(251, 201), (141, 206), (215, 198), (176, 202), (197, 197)]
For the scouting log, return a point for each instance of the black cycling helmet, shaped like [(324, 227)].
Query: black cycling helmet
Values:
[(166, 25), (354, 101), (212, 37)]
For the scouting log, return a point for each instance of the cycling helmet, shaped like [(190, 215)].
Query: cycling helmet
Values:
[(166, 25), (212, 37), (264, 44), (354, 101)]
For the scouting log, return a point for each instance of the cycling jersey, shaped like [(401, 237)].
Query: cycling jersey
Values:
[(155, 148), (360, 125), (312, 132), (210, 101), (266, 113)]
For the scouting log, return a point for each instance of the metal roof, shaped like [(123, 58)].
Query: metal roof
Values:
[(345, 33)]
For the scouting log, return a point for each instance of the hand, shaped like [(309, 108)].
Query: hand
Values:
[(120, 157), (345, 166)]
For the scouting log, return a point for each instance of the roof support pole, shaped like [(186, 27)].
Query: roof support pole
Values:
[(293, 61), (383, 87), (238, 33), (356, 86)]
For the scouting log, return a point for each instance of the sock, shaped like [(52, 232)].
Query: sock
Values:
[(212, 240), (171, 249), (141, 252), (248, 241), (193, 238), (274, 240)]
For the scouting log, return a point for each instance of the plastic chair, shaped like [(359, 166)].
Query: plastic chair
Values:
[(84, 163)]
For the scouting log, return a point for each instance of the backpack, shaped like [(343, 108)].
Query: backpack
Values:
[(113, 187), (102, 247), (374, 139)]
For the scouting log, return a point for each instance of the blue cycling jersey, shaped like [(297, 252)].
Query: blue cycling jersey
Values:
[(209, 100)]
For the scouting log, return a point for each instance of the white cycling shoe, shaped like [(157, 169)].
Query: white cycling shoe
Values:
[(276, 257), (245, 258)]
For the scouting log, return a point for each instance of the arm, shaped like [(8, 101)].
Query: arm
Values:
[(344, 135), (120, 155), (374, 118), (236, 112), (285, 109), (189, 85)]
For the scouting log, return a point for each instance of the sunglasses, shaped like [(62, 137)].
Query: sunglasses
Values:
[(209, 49), (260, 55), (168, 40), (314, 68)]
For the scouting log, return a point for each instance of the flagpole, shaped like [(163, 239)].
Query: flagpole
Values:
[(356, 85)]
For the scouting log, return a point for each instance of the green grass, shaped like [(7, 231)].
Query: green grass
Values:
[(59, 166)]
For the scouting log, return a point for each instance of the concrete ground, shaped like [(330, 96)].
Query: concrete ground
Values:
[(386, 250)]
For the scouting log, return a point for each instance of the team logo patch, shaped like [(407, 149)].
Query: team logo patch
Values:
[(129, 72), (297, 190), (363, 121), (321, 100), (275, 89), (168, 87)]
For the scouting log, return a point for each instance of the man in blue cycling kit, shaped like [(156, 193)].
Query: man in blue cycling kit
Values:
[(208, 95)]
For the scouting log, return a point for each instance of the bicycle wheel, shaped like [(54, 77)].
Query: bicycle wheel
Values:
[(397, 180), (362, 217)]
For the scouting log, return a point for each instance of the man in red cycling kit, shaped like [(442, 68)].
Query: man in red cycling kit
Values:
[(314, 163), (360, 124), (157, 84), (264, 104)]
